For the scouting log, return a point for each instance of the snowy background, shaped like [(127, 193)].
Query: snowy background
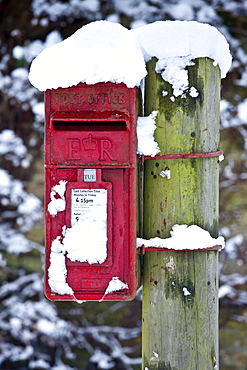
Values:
[(38, 334)]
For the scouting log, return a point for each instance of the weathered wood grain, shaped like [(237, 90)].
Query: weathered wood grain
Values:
[(182, 328)]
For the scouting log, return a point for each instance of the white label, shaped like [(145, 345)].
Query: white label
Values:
[(88, 203)]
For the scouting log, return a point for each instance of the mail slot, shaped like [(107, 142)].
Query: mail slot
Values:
[(93, 125), (90, 192)]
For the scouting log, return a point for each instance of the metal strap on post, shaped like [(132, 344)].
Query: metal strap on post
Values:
[(181, 156), (142, 250)]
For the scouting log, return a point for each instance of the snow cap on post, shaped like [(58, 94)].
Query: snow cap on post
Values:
[(101, 51), (191, 39)]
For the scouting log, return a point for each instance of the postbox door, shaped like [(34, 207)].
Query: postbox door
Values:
[(95, 227)]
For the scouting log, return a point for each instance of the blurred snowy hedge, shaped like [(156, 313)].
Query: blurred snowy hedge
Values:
[(38, 334)]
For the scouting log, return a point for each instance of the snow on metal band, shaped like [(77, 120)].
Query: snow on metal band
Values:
[(182, 155), (143, 249)]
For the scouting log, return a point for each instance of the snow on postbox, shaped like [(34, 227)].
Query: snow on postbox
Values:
[(90, 201)]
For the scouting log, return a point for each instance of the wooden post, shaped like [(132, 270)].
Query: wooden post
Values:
[(180, 288)]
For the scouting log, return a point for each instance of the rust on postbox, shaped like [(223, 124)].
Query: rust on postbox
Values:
[(90, 181)]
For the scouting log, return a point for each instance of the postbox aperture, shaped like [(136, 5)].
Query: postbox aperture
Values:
[(90, 201)]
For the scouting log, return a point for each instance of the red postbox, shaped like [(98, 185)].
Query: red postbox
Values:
[(90, 200)]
